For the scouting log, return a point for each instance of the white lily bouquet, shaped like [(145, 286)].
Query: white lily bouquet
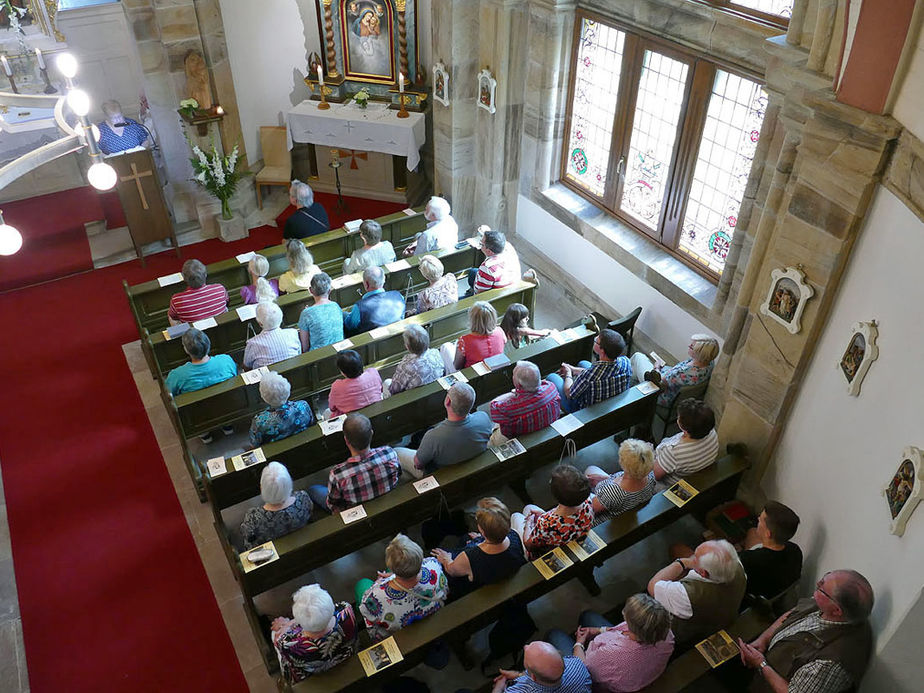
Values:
[(218, 174), (361, 98)]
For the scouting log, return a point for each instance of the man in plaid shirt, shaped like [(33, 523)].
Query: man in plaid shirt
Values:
[(586, 384), (533, 404), (368, 473)]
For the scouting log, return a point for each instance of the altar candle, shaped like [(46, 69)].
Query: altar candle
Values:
[(320, 77), (41, 60), (6, 66), (401, 82), (219, 110)]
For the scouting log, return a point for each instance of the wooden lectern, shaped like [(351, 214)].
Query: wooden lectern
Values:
[(142, 200)]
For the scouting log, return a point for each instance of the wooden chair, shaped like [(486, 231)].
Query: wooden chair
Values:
[(277, 163), (626, 327)]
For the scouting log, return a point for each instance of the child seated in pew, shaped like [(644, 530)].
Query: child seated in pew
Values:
[(543, 530), (282, 511), (515, 325), (631, 487), (282, 418)]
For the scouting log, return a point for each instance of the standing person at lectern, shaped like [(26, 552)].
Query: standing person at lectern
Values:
[(309, 218), (118, 133)]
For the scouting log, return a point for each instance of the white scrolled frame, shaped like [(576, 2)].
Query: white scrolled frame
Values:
[(440, 69), (805, 293), (897, 526), (486, 76), (870, 332)]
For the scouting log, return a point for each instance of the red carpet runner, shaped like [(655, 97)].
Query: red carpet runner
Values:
[(112, 592)]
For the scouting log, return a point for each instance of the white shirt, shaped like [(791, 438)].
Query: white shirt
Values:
[(441, 234), (674, 597)]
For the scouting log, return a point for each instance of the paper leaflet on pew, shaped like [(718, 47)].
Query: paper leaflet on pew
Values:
[(244, 258), (346, 280), (428, 483), (255, 376), (564, 336), (353, 225), (357, 512), (341, 346), (248, 459), (259, 556), (216, 467), (511, 448), (205, 324), (567, 424), (398, 265), (680, 493), (379, 332), (587, 547), (380, 656), (447, 381), (245, 313), (334, 425), (174, 278), (552, 563), (481, 368), (646, 387), (717, 648), (410, 212)]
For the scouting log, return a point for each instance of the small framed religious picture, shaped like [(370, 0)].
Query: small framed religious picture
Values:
[(487, 87), (787, 297), (903, 492), (859, 353), (441, 83)]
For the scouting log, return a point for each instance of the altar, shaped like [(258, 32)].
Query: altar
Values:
[(379, 154)]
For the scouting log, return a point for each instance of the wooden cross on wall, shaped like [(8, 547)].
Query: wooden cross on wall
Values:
[(137, 178), (354, 155)]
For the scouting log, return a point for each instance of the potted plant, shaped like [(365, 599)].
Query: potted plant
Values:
[(361, 98), (218, 174), (188, 108)]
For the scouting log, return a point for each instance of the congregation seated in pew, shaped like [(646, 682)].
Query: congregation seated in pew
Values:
[(374, 252), (420, 366), (442, 232), (545, 670), (320, 635), (376, 308), (501, 266), (696, 369), (486, 339), (442, 287), (199, 300), (366, 474), (321, 322), (533, 404), (629, 488), (282, 511), (461, 436), (623, 657), (202, 370), (515, 325), (301, 268), (694, 448), (588, 383), (412, 588), (310, 217), (359, 387), (281, 418), (543, 530), (274, 343), (260, 288)]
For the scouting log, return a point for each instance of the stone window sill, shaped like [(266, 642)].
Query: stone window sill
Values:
[(637, 253)]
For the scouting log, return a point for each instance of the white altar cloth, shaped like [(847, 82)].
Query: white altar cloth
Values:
[(375, 129)]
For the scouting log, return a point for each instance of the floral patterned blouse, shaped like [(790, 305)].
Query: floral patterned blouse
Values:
[(443, 292), (550, 529), (261, 525), (414, 371), (681, 375), (387, 607), (276, 424), (300, 655)]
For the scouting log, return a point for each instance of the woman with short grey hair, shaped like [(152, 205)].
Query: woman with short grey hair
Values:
[(420, 366), (485, 340), (282, 511), (413, 588), (301, 268), (443, 289), (283, 418), (374, 253), (274, 343), (629, 488), (321, 635)]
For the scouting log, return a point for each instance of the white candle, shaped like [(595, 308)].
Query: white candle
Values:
[(219, 110), (401, 82), (41, 60), (320, 77), (6, 66)]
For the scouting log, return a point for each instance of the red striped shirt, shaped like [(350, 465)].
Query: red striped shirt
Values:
[(198, 304), (498, 271)]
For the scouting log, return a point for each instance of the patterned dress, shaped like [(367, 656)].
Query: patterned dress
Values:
[(300, 655), (413, 371), (261, 525), (276, 424), (443, 292), (550, 529), (388, 607), (683, 374)]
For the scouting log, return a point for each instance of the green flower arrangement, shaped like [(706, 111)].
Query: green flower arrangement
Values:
[(361, 98), (189, 107)]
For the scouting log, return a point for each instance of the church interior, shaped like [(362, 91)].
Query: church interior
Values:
[(655, 174)]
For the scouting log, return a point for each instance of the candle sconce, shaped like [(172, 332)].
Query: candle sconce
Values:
[(333, 89), (201, 117)]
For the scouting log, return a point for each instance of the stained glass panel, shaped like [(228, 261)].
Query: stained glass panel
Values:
[(654, 129), (782, 8), (733, 121), (596, 88)]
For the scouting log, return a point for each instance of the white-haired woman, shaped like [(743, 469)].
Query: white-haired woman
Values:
[(412, 588), (626, 489), (274, 343), (260, 288), (320, 636), (282, 511), (420, 366), (374, 252), (485, 340), (283, 418), (443, 288), (301, 268), (702, 352)]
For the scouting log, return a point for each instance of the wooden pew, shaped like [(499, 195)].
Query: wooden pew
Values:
[(230, 335), (149, 301), (474, 611), (402, 414), (313, 372)]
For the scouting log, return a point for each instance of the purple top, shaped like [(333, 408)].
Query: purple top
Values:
[(618, 664), (249, 293)]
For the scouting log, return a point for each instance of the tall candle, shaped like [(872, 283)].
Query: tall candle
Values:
[(320, 77), (401, 82), (6, 66), (41, 60)]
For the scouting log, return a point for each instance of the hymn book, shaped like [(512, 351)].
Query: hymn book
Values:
[(255, 376), (380, 656), (245, 313), (353, 226), (587, 547), (244, 258), (717, 648), (340, 346), (481, 368), (174, 278), (175, 331), (552, 563), (397, 265), (680, 493)]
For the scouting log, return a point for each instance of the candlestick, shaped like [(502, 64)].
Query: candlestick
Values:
[(323, 106), (403, 112), (401, 82), (41, 60), (6, 66)]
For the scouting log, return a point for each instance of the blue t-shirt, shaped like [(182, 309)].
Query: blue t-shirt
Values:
[(323, 323), (194, 376)]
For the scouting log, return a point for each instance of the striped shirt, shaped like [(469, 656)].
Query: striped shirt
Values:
[(617, 500), (361, 478), (498, 270), (198, 304), (604, 379), (575, 679), (521, 411), (271, 346), (680, 458)]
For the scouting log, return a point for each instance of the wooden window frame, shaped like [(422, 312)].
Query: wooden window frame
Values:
[(738, 10), (700, 79)]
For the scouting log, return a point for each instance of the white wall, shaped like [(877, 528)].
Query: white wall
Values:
[(838, 451), (661, 319)]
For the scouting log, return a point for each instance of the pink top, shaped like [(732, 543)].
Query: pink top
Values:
[(350, 394), (619, 664), (478, 347)]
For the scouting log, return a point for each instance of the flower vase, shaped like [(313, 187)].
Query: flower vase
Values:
[(226, 212)]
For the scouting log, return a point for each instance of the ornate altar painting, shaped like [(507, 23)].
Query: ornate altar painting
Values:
[(861, 351), (903, 492), (367, 31), (787, 297), (487, 87)]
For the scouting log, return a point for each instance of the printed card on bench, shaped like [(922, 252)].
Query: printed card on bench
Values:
[(428, 483), (552, 563), (334, 425), (346, 280), (380, 656), (481, 368), (587, 547), (175, 278), (647, 387), (245, 313), (511, 448), (447, 381), (340, 346), (205, 324), (379, 332), (680, 493), (567, 424), (216, 466), (398, 265), (255, 376), (248, 459), (244, 258), (717, 648), (259, 556), (410, 212), (558, 337), (357, 512), (353, 225)]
